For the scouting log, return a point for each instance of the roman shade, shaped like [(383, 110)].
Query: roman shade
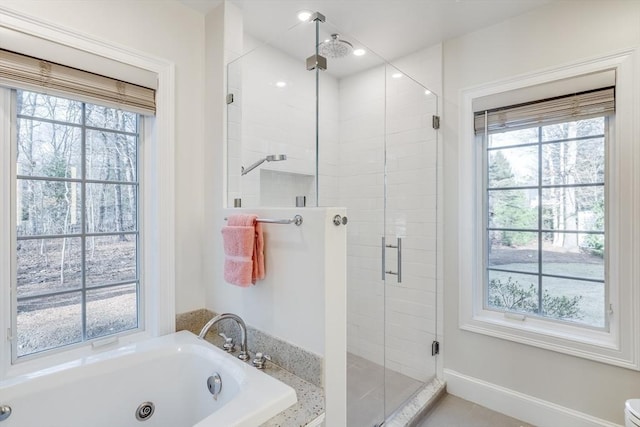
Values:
[(577, 106), (29, 73)]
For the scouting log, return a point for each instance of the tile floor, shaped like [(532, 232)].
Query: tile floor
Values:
[(451, 411), (366, 402)]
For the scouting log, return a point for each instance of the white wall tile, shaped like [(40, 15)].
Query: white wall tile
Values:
[(281, 121)]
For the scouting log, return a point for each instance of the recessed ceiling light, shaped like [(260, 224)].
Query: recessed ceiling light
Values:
[(359, 52), (396, 75), (281, 84), (304, 15)]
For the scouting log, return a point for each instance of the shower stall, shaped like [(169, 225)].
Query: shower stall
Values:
[(315, 115)]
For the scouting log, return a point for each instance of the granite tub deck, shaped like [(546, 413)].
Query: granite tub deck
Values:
[(310, 403), (308, 367)]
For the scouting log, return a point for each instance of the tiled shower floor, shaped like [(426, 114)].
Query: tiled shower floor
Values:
[(365, 391)]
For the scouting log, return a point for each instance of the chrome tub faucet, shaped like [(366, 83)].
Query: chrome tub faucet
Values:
[(244, 355)]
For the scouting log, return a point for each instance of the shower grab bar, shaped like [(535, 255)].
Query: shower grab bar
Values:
[(297, 220), (397, 246)]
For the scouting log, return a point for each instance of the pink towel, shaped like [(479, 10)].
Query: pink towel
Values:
[(244, 250)]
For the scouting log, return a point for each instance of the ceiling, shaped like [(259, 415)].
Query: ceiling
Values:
[(390, 28)]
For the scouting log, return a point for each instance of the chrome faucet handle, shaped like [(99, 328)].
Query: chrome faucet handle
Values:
[(228, 345), (260, 361)]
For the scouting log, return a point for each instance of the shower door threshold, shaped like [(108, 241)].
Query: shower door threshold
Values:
[(417, 406)]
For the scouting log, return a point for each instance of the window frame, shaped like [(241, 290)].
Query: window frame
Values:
[(619, 345), (157, 194), (84, 234), (609, 120)]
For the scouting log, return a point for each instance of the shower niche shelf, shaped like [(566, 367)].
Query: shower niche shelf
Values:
[(280, 189)]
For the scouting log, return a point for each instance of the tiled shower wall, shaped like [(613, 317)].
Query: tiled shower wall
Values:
[(266, 119), (362, 101), (388, 321)]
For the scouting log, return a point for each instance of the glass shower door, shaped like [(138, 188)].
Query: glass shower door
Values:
[(361, 190), (410, 237)]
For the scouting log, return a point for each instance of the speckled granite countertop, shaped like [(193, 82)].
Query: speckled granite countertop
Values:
[(310, 403)]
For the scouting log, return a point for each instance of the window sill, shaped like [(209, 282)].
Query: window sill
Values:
[(600, 346), (61, 356)]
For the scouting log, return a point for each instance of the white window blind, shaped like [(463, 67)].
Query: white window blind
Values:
[(25, 72), (578, 106)]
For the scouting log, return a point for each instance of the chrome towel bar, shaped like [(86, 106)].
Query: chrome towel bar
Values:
[(297, 220)]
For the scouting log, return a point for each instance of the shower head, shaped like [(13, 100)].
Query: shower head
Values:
[(335, 47), (269, 158), (276, 157)]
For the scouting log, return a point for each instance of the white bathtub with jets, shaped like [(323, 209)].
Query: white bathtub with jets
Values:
[(176, 380)]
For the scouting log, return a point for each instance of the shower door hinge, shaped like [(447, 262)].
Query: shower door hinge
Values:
[(229, 98), (435, 348), (435, 121)]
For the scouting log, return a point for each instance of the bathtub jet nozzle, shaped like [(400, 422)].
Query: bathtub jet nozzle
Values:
[(145, 411)]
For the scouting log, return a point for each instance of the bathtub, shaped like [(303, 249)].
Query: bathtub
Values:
[(114, 387)]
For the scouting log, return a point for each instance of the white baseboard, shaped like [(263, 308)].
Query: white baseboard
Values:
[(527, 408)]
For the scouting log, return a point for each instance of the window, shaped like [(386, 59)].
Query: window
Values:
[(545, 221), (548, 207), (154, 100), (76, 222)]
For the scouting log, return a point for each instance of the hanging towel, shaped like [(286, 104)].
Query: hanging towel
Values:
[(244, 250)]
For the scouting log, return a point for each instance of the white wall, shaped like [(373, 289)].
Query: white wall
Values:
[(548, 37), (425, 67), (290, 302), (219, 45), (175, 33)]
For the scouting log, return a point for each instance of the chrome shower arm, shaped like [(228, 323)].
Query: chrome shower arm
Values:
[(245, 171), (269, 158)]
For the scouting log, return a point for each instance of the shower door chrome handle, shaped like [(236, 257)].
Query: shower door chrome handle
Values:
[(398, 246), (399, 260), (384, 257)]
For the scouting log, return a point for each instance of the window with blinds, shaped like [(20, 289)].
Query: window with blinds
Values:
[(584, 105), (76, 244), (25, 72), (545, 207)]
